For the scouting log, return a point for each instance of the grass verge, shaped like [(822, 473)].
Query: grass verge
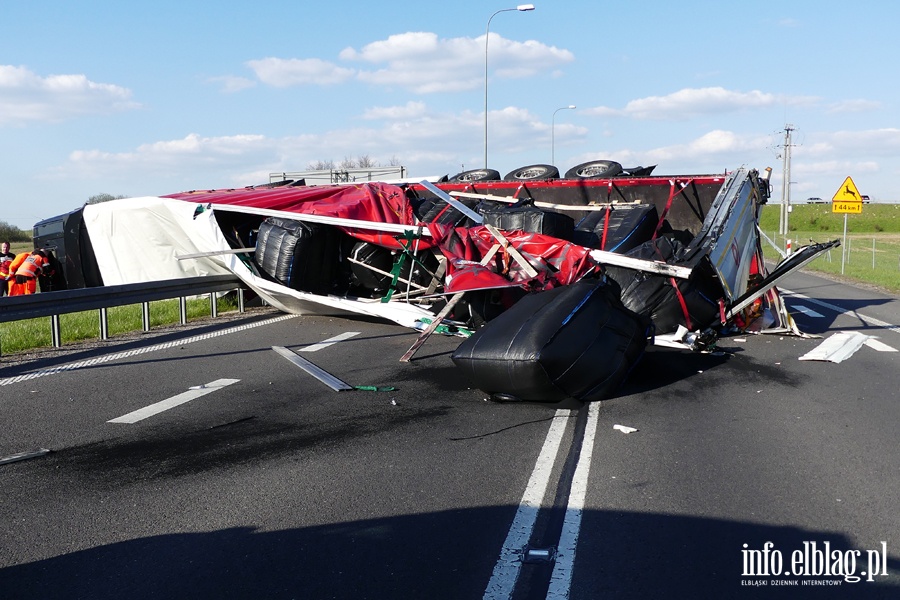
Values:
[(25, 335)]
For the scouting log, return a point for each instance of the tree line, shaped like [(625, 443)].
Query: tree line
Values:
[(363, 161)]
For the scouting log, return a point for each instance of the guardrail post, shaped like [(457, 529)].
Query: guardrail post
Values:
[(55, 332), (240, 295), (182, 310), (145, 315), (104, 324), (213, 305)]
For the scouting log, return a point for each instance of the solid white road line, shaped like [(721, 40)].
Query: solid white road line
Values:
[(191, 394), (110, 357), (561, 578), (807, 311), (324, 344), (506, 571)]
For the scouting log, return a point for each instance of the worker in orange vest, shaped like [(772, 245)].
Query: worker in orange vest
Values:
[(6, 258), (13, 266), (27, 271)]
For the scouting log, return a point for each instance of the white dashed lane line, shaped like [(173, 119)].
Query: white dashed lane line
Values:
[(169, 403), (807, 311), (324, 344)]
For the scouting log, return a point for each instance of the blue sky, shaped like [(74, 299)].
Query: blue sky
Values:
[(154, 98)]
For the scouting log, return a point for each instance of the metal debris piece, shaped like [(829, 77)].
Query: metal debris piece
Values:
[(24, 456), (837, 348), (320, 374)]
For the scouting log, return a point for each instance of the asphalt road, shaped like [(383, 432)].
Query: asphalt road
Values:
[(256, 480)]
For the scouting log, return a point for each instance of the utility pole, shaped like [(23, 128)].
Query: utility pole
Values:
[(783, 228)]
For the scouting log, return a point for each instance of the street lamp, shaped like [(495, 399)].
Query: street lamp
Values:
[(553, 132), (487, 30)]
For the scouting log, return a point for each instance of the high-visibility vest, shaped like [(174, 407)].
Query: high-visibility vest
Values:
[(32, 266), (17, 262)]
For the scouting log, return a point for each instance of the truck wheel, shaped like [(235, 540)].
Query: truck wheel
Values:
[(533, 173), (595, 169), (477, 175)]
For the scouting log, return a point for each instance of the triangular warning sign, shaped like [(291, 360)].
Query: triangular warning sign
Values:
[(847, 192)]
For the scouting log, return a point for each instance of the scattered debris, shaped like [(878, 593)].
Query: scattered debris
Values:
[(624, 428), (838, 347), (24, 456), (320, 374)]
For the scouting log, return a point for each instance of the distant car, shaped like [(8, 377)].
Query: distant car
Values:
[(815, 201), (865, 199)]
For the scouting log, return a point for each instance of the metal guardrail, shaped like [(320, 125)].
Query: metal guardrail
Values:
[(54, 304)]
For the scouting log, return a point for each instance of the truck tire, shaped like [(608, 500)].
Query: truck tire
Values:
[(533, 173), (595, 169), (477, 175)]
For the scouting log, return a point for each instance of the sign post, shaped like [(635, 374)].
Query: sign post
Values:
[(846, 200)]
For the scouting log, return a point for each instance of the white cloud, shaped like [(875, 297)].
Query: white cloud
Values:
[(423, 140), (871, 142), (853, 106), (410, 110), (690, 102), (423, 63), (287, 72), (231, 83), (26, 96), (170, 158)]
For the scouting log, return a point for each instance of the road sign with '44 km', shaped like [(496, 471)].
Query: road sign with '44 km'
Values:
[(847, 199)]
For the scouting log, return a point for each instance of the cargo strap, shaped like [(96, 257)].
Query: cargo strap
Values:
[(375, 388), (683, 303), (605, 227), (408, 240), (672, 194), (438, 319)]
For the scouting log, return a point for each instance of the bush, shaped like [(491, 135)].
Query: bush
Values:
[(8, 233)]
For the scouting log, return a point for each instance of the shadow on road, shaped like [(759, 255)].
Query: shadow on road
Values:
[(635, 555)]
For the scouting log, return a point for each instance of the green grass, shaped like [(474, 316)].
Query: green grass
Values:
[(878, 223), (20, 247), (818, 218), (19, 336)]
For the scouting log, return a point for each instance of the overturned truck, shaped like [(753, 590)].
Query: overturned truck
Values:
[(557, 284)]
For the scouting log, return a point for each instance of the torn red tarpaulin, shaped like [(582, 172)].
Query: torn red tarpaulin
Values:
[(557, 261), (372, 201)]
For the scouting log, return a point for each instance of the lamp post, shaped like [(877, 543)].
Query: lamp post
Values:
[(487, 31), (553, 132)]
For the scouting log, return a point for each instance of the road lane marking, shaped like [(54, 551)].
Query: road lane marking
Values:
[(880, 346), (868, 320), (506, 571), (164, 405), (807, 311), (330, 341), (110, 357), (561, 578)]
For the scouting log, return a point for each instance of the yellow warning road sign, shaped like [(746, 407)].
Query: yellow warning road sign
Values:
[(847, 199), (848, 192)]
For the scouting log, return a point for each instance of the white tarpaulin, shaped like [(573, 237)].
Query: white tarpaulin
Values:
[(138, 239), (141, 239)]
